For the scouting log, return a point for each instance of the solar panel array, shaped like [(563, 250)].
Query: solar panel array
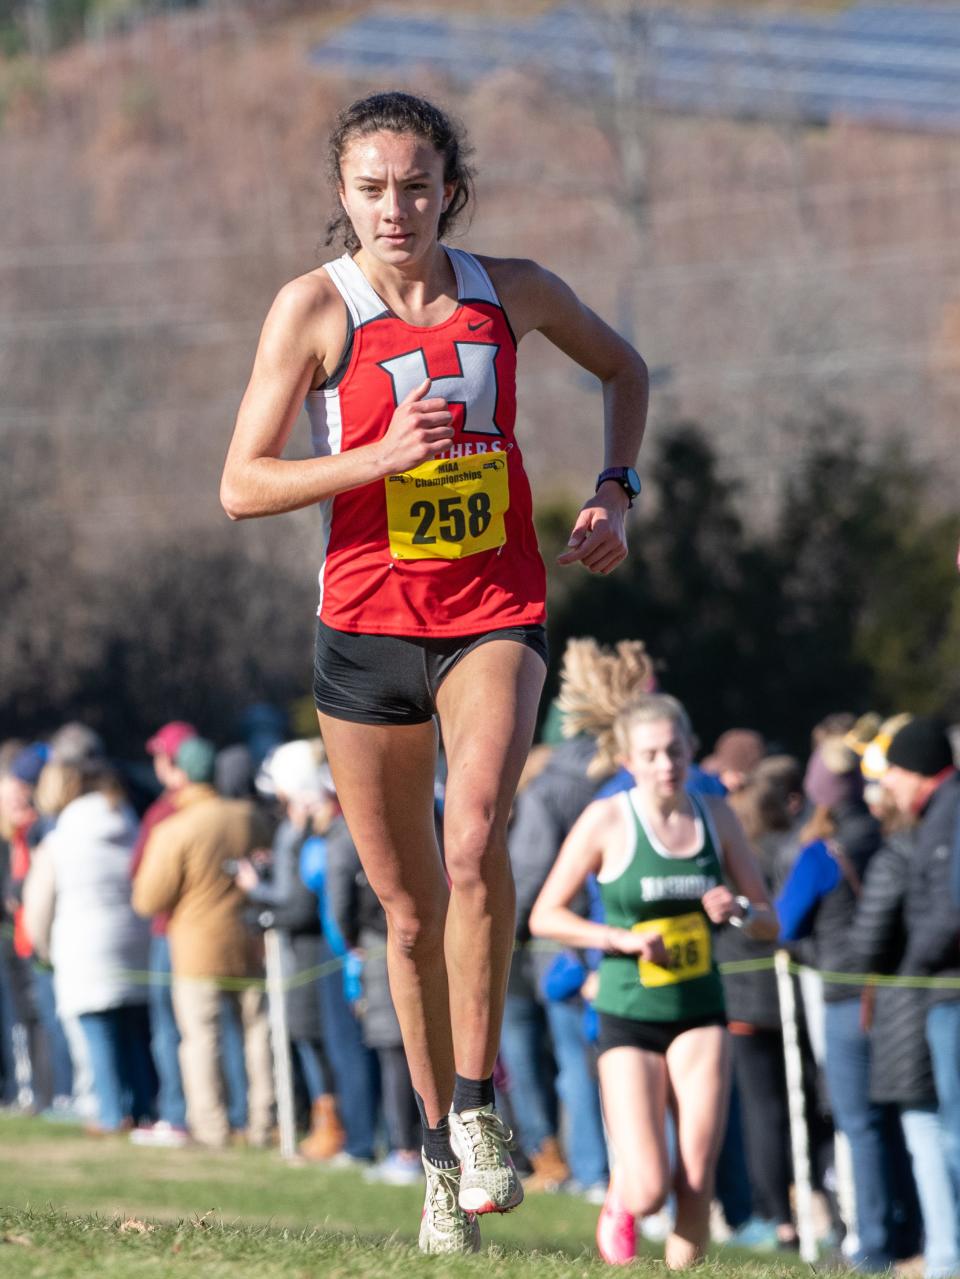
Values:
[(886, 64)]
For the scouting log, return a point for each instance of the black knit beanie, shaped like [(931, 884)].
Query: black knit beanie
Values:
[(922, 746)]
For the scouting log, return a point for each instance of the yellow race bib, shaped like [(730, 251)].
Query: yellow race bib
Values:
[(687, 940), (448, 508)]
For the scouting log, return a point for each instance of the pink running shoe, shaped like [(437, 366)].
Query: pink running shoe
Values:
[(616, 1232)]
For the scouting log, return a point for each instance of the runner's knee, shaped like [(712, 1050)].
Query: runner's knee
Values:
[(475, 850), (415, 935)]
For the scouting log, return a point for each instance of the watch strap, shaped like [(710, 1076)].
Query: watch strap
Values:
[(620, 475)]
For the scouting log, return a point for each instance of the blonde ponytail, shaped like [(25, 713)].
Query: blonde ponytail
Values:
[(596, 686)]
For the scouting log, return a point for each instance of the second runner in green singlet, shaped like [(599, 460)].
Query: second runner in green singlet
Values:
[(671, 870)]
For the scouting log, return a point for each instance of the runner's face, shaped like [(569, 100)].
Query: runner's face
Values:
[(659, 757), (393, 192)]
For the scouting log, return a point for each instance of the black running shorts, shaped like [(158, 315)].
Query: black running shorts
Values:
[(393, 679), (650, 1036)]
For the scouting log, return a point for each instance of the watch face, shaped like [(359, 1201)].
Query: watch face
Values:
[(625, 476)]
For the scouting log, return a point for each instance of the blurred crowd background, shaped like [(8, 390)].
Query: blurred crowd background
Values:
[(132, 961)]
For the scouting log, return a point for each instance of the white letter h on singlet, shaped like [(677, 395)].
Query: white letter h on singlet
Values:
[(475, 388)]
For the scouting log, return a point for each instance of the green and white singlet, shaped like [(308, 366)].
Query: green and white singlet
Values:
[(654, 887)]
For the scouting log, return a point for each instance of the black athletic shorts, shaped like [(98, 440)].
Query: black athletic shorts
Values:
[(393, 679), (651, 1036)]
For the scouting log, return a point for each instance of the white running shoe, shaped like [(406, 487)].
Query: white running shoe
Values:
[(488, 1179), (160, 1134), (444, 1226), (399, 1168)]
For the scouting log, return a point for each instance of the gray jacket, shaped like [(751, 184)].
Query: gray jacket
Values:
[(543, 815), (354, 907), (286, 903)]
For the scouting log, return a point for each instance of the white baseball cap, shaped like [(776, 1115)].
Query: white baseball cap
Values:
[(296, 770)]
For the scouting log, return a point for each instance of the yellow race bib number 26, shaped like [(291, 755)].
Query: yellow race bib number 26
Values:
[(686, 939), (449, 507)]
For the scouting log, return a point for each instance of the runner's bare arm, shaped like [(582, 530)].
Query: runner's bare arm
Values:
[(744, 873), (598, 827), (536, 299), (304, 324)]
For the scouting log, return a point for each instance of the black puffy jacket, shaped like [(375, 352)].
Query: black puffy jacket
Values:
[(900, 1068), (858, 837), (933, 927)]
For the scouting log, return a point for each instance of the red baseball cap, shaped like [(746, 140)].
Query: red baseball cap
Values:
[(169, 739)]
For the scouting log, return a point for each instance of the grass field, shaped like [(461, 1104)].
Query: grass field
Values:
[(72, 1208)]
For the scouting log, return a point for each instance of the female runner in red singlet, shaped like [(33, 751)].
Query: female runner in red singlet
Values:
[(432, 589)]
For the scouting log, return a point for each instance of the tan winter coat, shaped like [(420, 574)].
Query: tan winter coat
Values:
[(182, 875)]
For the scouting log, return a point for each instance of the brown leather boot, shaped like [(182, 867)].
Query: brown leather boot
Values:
[(326, 1137), (550, 1169)]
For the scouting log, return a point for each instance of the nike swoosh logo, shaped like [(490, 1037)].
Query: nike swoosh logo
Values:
[(479, 324)]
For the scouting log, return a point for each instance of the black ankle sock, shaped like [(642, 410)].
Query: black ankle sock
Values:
[(471, 1094), (436, 1141), (436, 1145)]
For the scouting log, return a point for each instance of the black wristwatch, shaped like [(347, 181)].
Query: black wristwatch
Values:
[(626, 477)]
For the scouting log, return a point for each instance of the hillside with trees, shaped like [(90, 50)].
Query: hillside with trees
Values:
[(160, 184)]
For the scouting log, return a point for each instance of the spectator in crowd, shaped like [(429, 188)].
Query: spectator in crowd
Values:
[(234, 773), (77, 745), (873, 765), (818, 900), (544, 812), (762, 804), (185, 872), (170, 1130), (780, 779), (837, 724), (171, 1126), (339, 992), (362, 923), (74, 745), (736, 753), (78, 915), (8, 1070), (901, 1072), (781, 770), (10, 800), (779, 848), (263, 727), (295, 775), (234, 778), (924, 784), (51, 1074)]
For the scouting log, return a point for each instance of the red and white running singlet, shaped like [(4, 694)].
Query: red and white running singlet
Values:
[(449, 547)]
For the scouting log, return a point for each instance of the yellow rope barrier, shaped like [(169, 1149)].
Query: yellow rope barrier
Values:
[(731, 968)]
